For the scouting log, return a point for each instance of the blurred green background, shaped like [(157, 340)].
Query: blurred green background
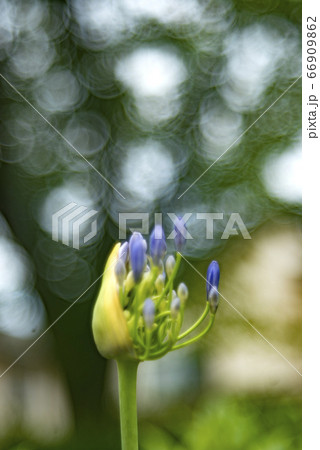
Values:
[(151, 93)]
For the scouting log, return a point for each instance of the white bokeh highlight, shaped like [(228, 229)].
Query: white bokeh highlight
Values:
[(282, 175), (148, 172), (22, 314), (221, 128), (153, 75), (253, 56)]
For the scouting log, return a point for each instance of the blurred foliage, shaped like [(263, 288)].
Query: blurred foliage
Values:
[(224, 424), (220, 423)]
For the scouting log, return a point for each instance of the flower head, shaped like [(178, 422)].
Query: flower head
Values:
[(138, 313)]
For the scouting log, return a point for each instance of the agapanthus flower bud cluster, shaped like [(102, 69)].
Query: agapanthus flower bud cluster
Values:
[(140, 307)]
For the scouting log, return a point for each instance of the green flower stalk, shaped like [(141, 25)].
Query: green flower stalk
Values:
[(138, 314)]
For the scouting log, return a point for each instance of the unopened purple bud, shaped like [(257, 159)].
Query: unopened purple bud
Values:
[(157, 244), (179, 239), (175, 307), (145, 244), (183, 292), (149, 312), (135, 237), (161, 268), (159, 283), (170, 263), (123, 252), (137, 255), (213, 277), (120, 271), (213, 299)]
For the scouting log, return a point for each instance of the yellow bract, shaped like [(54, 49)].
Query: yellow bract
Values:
[(110, 330)]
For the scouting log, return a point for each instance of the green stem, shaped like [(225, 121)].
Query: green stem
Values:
[(148, 344), (141, 295), (170, 280), (196, 338), (127, 376), (163, 314), (196, 324), (160, 353)]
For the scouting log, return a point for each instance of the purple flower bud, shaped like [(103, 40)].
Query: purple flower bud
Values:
[(179, 239), (123, 252), (170, 263), (145, 244), (149, 312), (213, 299), (175, 307), (183, 292), (213, 277), (120, 271), (135, 237), (159, 283), (137, 255), (157, 244)]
